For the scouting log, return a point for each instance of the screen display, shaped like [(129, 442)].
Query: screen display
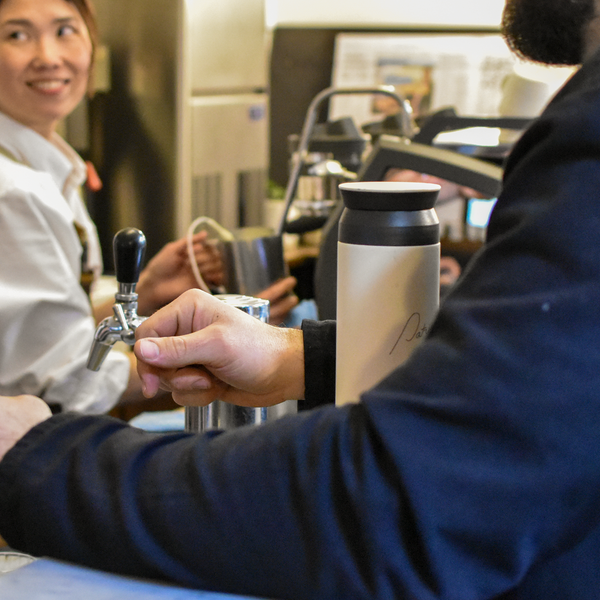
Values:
[(478, 211)]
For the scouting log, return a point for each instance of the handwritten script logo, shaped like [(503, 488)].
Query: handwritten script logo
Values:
[(412, 330)]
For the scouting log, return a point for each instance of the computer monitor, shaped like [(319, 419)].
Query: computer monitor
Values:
[(478, 216)]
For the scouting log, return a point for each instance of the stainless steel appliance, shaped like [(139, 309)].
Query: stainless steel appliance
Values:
[(183, 129)]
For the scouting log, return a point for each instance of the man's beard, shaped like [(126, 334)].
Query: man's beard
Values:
[(547, 31)]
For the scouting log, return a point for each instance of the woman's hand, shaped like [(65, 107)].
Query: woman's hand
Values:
[(281, 298), (169, 273), (202, 349)]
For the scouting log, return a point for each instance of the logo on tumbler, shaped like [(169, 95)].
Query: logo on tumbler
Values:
[(412, 330)]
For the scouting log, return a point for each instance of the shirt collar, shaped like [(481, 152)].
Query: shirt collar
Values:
[(54, 156)]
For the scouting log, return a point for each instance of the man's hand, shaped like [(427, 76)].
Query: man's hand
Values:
[(18, 414), (202, 349)]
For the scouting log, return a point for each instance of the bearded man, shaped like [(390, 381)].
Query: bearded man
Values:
[(471, 472)]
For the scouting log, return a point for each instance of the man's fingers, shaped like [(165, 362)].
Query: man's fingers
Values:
[(150, 382), (192, 380), (191, 311), (171, 352), (189, 379)]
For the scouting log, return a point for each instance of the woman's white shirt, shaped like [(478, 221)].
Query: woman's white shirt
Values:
[(46, 321)]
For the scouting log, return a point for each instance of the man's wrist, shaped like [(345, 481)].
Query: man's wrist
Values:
[(293, 363)]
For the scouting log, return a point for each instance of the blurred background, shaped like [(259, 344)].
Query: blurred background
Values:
[(199, 105)]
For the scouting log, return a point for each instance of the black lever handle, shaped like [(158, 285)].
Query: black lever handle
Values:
[(129, 247)]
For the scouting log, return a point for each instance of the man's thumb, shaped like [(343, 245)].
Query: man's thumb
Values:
[(169, 352), (148, 350)]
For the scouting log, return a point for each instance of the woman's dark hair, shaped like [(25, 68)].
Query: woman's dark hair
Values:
[(88, 14)]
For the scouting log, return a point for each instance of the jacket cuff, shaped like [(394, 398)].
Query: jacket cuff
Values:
[(319, 363)]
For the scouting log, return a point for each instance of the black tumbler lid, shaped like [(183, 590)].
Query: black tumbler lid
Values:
[(389, 195)]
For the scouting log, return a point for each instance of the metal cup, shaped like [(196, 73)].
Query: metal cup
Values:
[(252, 261), (223, 415)]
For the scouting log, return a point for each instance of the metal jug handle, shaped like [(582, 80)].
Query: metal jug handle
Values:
[(214, 228)]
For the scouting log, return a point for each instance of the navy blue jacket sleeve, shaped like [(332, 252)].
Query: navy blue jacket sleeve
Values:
[(471, 472)]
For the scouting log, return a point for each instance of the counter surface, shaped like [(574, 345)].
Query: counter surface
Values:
[(51, 580)]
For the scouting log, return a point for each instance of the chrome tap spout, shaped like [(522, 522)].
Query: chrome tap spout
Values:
[(119, 328), (108, 333)]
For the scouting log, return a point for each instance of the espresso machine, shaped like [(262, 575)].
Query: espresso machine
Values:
[(311, 167)]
